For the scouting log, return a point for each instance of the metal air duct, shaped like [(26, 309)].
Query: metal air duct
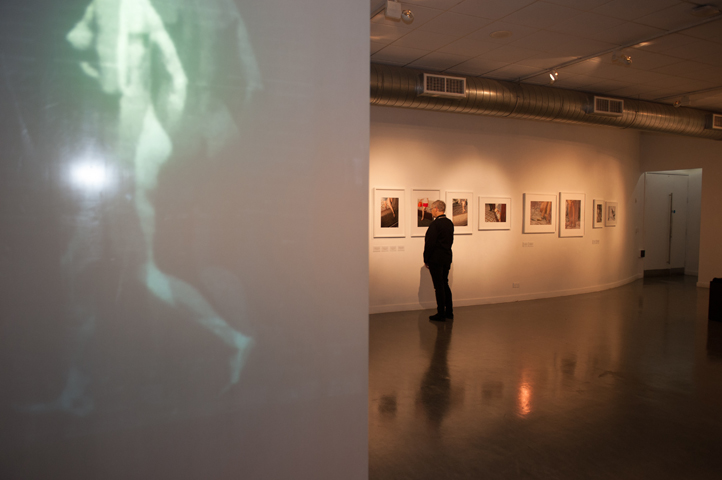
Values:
[(400, 87)]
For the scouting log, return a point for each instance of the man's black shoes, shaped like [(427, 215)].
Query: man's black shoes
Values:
[(437, 318)]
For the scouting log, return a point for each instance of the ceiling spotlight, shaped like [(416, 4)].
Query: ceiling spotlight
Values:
[(407, 16), (396, 13), (621, 59), (682, 102), (553, 75)]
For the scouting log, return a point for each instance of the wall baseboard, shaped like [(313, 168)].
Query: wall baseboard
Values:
[(664, 272), (404, 307)]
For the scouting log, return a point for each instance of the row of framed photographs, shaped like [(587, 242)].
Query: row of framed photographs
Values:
[(540, 212)]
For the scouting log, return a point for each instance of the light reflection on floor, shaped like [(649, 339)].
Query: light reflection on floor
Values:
[(619, 384)]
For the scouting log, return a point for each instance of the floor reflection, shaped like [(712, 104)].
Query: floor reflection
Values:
[(617, 384), (435, 391)]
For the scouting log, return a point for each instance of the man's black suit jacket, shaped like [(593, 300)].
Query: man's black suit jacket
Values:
[(439, 238)]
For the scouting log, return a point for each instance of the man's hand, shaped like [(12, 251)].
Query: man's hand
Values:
[(426, 265)]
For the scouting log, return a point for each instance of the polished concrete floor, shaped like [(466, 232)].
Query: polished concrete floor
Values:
[(621, 384)]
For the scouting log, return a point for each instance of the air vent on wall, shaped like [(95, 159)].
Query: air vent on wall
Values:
[(714, 122), (607, 106), (443, 86)]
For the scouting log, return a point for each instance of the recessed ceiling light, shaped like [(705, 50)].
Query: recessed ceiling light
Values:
[(501, 34), (705, 11)]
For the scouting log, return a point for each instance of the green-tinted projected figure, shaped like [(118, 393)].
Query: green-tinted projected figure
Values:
[(122, 37), (216, 54)]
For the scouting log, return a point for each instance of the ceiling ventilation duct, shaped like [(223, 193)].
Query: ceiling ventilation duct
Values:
[(402, 87), (443, 86), (607, 106), (714, 122)]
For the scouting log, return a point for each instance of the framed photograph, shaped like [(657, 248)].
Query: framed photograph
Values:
[(598, 213), (494, 213), (571, 214), (420, 211), (388, 212), (610, 217), (540, 212), (458, 210)]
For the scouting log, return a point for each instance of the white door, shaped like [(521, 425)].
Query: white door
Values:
[(665, 220)]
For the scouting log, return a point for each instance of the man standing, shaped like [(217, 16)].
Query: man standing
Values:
[(437, 258)]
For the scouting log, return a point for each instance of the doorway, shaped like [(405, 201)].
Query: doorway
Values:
[(672, 207)]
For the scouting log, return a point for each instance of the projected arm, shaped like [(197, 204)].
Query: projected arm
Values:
[(81, 37), (179, 82)]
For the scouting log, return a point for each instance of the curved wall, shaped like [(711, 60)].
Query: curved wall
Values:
[(504, 158)]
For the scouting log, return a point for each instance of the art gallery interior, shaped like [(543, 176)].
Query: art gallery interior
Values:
[(568, 357), (192, 283)]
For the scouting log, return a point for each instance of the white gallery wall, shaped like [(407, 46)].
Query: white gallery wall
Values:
[(669, 152), (497, 157), (694, 221)]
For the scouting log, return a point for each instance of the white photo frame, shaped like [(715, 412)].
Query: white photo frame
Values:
[(572, 207), (494, 213), (459, 211), (420, 210), (389, 212), (598, 213), (611, 214), (540, 211)]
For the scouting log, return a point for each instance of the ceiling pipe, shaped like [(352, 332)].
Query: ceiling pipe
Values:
[(400, 86)]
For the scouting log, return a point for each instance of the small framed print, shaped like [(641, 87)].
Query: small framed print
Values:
[(598, 213), (571, 214), (420, 216), (610, 215), (539, 213), (458, 210), (388, 211), (494, 213)]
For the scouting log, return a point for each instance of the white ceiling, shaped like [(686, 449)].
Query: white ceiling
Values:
[(453, 36)]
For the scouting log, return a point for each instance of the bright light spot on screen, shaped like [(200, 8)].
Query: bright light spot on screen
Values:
[(89, 175)]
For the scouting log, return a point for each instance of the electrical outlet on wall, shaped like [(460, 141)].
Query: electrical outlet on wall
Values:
[(516, 285)]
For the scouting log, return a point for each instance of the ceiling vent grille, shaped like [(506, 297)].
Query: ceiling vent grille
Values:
[(607, 106), (714, 122), (443, 86)]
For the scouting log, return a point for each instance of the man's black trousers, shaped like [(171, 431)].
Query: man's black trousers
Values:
[(440, 277)]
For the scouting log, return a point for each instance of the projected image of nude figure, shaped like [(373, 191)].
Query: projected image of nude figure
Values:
[(161, 68)]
